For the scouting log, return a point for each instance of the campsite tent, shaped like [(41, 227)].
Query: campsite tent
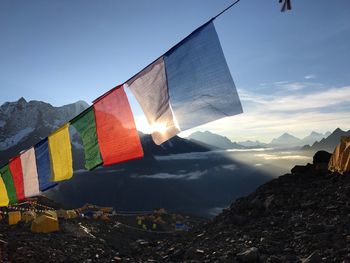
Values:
[(14, 217), (50, 213), (28, 216), (66, 214), (45, 224), (340, 160)]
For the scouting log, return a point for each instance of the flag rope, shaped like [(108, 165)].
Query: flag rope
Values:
[(176, 45), (227, 8)]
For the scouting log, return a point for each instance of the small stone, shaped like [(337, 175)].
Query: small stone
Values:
[(268, 201), (118, 259), (250, 255), (313, 258), (199, 251)]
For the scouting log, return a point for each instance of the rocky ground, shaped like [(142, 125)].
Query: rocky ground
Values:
[(303, 216)]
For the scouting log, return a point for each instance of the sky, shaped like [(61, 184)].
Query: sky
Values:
[(291, 69)]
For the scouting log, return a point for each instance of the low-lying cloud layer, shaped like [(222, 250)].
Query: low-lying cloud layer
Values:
[(195, 175)]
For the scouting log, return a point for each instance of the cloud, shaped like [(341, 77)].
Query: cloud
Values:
[(229, 166), (311, 76), (315, 100), (195, 175), (292, 86), (282, 157), (184, 156)]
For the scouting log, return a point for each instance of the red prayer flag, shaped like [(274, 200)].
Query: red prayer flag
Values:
[(15, 166), (115, 126)]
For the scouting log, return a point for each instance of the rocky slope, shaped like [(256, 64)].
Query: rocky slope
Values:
[(299, 217)]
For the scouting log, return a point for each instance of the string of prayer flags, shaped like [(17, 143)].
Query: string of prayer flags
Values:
[(61, 154), (189, 85), (116, 131), (9, 184), (15, 168), (86, 127), (43, 165), (30, 174), (4, 200)]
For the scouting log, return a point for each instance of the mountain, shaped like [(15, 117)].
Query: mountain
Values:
[(327, 134), (23, 124), (286, 139), (21, 118), (312, 138), (328, 143), (251, 144), (174, 145), (214, 140)]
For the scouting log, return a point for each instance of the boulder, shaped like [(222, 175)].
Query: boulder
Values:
[(321, 157)]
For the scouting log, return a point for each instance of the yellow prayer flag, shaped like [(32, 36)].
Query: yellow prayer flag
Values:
[(61, 154), (4, 200)]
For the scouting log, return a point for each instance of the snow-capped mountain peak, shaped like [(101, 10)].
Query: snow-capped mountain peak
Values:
[(19, 119)]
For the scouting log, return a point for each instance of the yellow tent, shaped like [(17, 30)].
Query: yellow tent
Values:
[(28, 216), (45, 224), (71, 214), (61, 213), (50, 213), (14, 217), (66, 214)]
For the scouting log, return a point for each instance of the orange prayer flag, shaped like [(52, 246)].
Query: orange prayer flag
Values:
[(17, 175), (116, 130)]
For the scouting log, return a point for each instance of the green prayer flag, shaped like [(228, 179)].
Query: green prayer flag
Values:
[(86, 127), (9, 184)]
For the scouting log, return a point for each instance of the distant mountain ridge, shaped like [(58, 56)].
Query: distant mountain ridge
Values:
[(329, 143), (214, 140), (284, 141)]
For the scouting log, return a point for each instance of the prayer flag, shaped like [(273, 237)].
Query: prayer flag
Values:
[(61, 154), (189, 86), (151, 91), (4, 200), (86, 127), (116, 132), (30, 174), (9, 184), (15, 167), (43, 165)]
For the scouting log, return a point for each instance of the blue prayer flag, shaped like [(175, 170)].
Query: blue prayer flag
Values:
[(43, 165)]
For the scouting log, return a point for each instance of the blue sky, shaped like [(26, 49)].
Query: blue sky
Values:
[(291, 69)]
